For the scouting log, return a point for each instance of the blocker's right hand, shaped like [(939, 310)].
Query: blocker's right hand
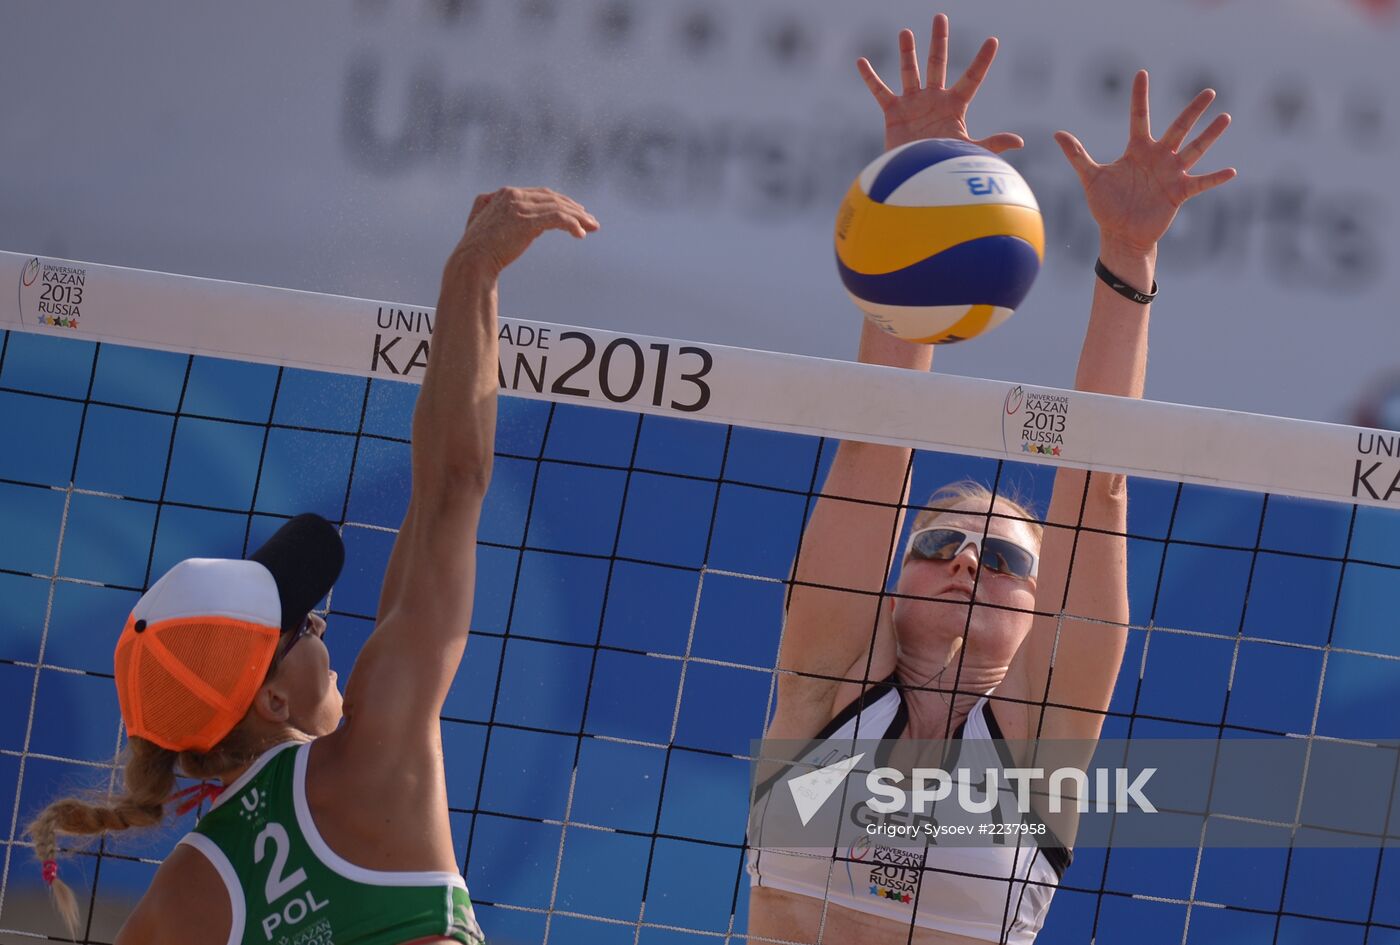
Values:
[(503, 224), (933, 111), (1135, 199)]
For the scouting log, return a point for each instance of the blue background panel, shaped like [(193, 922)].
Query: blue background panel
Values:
[(1247, 878), (84, 624), (585, 435), (1186, 677), (1362, 585), (739, 620), (185, 532), (33, 517), (756, 530), (214, 463), (305, 472), (43, 364), (379, 495), (692, 885), (765, 458), (16, 693), (697, 804), (621, 858), (124, 452), (319, 401), (135, 377), (558, 596), (1292, 598), (1332, 884), (634, 696), (108, 540), (1271, 687), (1388, 880), (230, 390), (1218, 517), (543, 685), (1203, 589), (625, 629), (26, 604), (576, 509), (516, 863), (527, 773), (1209, 926), (40, 436), (722, 707), (650, 608), (618, 785), (667, 519), (689, 447)]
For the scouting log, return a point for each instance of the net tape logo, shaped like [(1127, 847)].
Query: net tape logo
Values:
[(545, 360), (1377, 470), (50, 294), (1035, 422)]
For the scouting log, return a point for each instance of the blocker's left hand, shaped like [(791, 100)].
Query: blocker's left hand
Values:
[(933, 111), (1135, 198)]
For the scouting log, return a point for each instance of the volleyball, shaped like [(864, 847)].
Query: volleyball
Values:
[(939, 240)]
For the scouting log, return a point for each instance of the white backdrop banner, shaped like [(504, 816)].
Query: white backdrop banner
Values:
[(335, 146)]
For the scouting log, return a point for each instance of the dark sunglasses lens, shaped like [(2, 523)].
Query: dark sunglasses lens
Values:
[(941, 544), (290, 640), (1003, 556)]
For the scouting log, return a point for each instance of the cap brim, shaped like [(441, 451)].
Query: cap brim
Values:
[(305, 557)]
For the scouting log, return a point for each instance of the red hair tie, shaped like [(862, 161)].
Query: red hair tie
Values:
[(50, 872), (196, 796)]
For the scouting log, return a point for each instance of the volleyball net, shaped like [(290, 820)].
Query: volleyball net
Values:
[(635, 556)]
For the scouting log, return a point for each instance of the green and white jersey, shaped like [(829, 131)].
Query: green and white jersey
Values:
[(287, 887)]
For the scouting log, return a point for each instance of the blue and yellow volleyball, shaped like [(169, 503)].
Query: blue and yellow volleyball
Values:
[(939, 241)]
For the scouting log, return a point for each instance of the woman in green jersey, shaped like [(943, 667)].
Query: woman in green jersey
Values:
[(330, 822)]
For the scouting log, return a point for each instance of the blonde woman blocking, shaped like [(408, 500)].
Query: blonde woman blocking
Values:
[(962, 647)]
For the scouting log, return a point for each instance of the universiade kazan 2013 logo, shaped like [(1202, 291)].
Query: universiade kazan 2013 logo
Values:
[(51, 294), (1035, 422)]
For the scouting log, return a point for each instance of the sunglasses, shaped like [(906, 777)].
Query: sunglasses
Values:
[(291, 640), (1002, 555)]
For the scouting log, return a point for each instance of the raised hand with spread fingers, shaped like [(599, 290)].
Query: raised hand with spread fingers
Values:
[(933, 110), (1135, 198)]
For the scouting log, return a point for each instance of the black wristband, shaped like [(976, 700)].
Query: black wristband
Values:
[(1121, 287)]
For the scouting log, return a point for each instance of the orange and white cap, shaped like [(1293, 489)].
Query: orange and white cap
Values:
[(198, 644)]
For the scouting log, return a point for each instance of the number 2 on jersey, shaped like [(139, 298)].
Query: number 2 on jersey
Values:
[(277, 885)]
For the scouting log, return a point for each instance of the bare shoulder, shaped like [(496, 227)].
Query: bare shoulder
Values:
[(380, 804), (804, 718), (1010, 705), (364, 754), (187, 902)]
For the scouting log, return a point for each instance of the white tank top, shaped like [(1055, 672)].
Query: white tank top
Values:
[(994, 893)]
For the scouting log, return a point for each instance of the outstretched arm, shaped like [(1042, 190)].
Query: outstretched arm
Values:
[(1074, 663), (402, 675), (847, 546)]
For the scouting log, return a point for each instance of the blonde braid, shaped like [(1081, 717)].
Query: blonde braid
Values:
[(148, 781)]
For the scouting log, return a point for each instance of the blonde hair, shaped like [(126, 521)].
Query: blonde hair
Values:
[(947, 499), (148, 780)]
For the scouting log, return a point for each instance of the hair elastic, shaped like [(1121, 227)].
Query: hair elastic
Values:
[(195, 796)]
